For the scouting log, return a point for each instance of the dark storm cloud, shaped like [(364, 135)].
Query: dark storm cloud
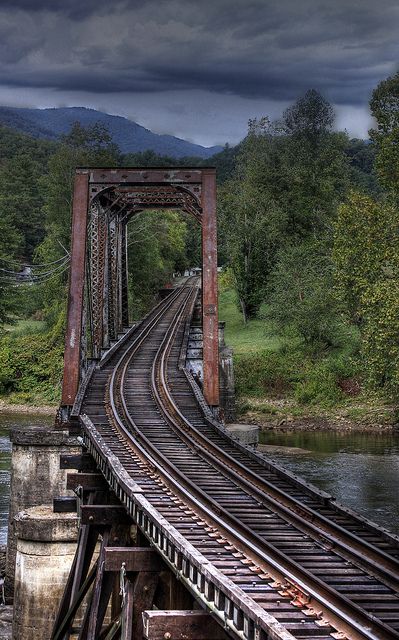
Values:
[(72, 8), (247, 48), (75, 9)]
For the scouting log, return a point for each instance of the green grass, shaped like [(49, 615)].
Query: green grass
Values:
[(25, 327), (254, 336)]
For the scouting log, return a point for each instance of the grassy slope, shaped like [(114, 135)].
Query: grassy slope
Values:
[(277, 382), (30, 364), (25, 327), (244, 338)]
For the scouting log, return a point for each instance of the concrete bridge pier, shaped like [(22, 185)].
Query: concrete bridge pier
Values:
[(45, 548), (36, 478), (226, 376), (194, 364)]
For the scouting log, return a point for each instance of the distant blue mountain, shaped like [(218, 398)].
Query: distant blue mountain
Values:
[(129, 136)]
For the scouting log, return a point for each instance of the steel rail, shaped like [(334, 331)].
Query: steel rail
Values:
[(259, 617), (375, 560), (159, 381), (136, 327), (234, 609), (348, 612), (325, 499)]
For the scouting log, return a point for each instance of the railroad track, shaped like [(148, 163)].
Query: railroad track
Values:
[(260, 548)]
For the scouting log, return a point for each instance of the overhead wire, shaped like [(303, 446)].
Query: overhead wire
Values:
[(38, 281), (38, 265), (30, 278)]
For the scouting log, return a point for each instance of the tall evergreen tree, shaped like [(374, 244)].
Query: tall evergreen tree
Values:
[(384, 106), (21, 198), (89, 146)]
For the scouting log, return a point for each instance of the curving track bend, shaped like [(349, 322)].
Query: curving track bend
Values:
[(268, 554)]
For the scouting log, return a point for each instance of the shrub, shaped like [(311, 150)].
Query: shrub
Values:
[(320, 387), (259, 373), (381, 335), (31, 365)]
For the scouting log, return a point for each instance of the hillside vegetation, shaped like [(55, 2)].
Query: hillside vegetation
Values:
[(52, 124), (280, 383)]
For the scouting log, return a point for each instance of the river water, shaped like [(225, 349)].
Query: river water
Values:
[(360, 470)]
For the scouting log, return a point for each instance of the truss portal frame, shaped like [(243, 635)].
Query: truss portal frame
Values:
[(103, 202)]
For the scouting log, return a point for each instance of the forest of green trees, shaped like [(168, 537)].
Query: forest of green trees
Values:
[(308, 241)]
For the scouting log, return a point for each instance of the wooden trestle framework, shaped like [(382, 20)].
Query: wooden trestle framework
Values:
[(104, 201), (116, 578)]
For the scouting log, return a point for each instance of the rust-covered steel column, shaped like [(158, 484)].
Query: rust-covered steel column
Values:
[(76, 289), (210, 324), (124, 278)]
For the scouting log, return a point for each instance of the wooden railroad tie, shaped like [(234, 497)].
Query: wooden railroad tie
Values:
[(65, 504), (72, 426)]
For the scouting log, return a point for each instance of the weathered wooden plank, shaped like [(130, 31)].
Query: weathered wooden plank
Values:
[(134, 558), (81, 462), (88, 481), (128, 612), (143, 596), (172, 594), (108, 514), (102, 590), (65, 504), (74, 428), (181, 625)]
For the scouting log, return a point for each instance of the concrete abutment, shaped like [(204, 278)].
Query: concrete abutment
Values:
[(36, 478), (45, 548)]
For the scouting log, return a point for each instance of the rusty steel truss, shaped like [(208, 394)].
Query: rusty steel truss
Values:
[(104, 201)]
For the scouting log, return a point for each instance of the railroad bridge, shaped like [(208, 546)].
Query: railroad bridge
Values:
[(185, 533)]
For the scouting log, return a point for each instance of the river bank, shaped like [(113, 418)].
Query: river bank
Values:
[(282, 386), (285, 415), (8, 408), (280, 415)]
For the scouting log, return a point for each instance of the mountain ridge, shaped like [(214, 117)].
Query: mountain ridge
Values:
[(51, 123)]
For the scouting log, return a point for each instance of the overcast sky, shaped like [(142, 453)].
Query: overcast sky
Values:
[(197, 69)]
